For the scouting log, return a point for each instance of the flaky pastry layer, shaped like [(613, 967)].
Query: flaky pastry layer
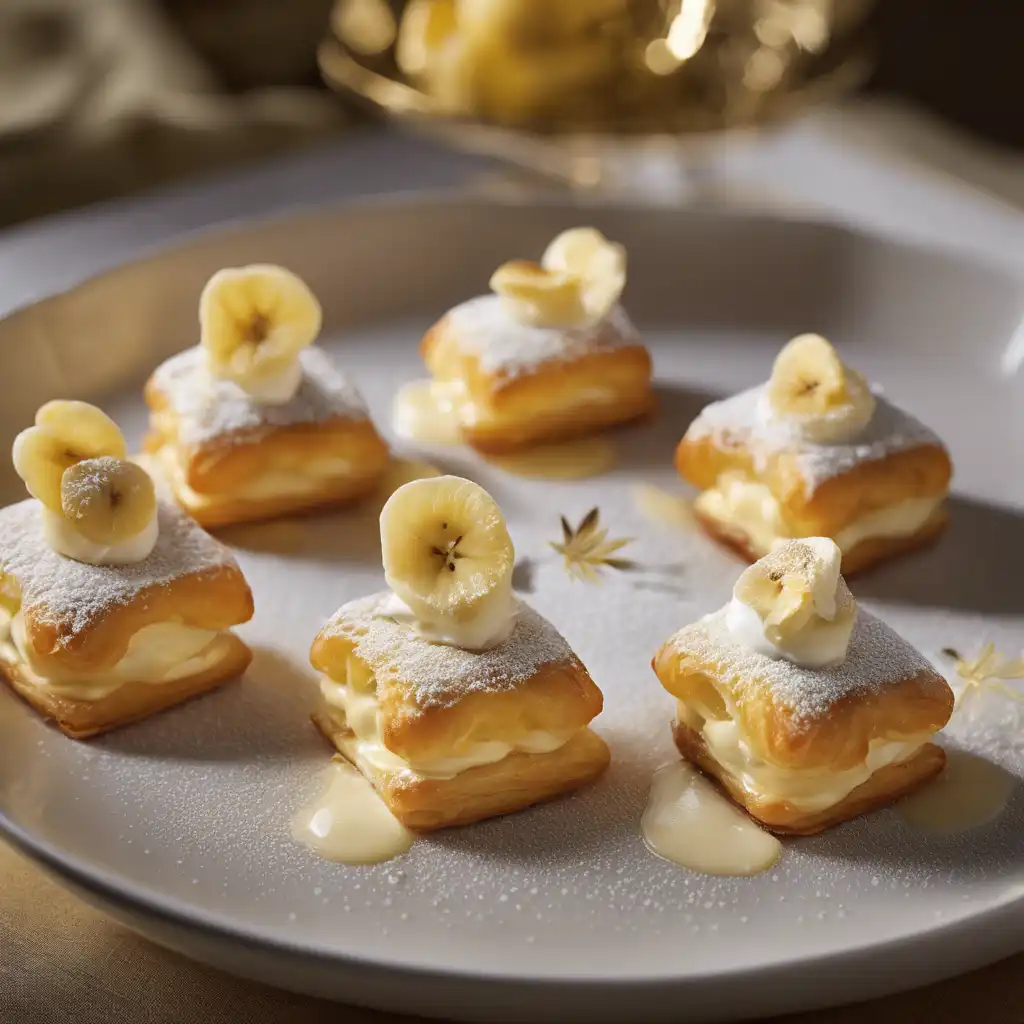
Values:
[(130, 702), (213, 599), (861, 556), (883, 787), (210, 478), (558, 698), (856, 705), (834, 503), (555, 400), (512, 784)]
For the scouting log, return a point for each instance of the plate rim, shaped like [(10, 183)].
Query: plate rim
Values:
[(110, 888)]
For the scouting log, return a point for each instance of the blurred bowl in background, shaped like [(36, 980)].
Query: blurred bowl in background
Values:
[(568, 86)]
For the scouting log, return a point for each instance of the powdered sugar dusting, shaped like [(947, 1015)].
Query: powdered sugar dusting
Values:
[(440, 675), (73, 595), (212, 409), (507, 348), (739, 420), (877, 658)]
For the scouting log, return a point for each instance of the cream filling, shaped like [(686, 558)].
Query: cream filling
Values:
[(471, 413), (451, 398), (159, 653), (360, 711), (752, 508), (271, 484), (806, 790), (491, 626)]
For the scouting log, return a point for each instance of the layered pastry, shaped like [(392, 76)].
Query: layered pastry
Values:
[(454, 698), (113, 604), (549, 355), (254, 422), (816, 452), (807, 709)]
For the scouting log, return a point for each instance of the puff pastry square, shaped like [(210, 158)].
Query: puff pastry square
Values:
[(448, 736), (803, 749), (230, 459), (525, 385), (876, 496), (76, 640)]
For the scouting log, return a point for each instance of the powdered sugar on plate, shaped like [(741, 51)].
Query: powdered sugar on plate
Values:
[(877, 658), (740, 421), (507, 348), (74, 595), (440, 675), (210, 409)]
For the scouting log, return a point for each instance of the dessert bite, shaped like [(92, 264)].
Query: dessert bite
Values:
[(816, 452), (253, 422), (113, 604), (454, 698), (807, 709), (550, 355)]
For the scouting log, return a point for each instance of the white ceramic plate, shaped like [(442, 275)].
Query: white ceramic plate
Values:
[(179, 826)]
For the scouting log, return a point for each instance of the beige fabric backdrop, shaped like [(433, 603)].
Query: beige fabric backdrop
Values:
[(102, 97)]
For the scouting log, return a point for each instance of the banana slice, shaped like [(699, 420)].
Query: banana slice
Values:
[(598, 263), (108, 500), (545, 298), (254, 321), (579, 279), (812, 388), (447, 554), (65, 433), (803, 607)]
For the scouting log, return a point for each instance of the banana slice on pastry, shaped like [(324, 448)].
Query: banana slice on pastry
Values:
[(816, 451), (807, 709), (549, 355), (113, 605), (255, 421), (454, 698)]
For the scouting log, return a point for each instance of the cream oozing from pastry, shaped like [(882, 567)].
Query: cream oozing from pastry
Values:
[(359, 709), (747, 505), (309, 478), (804, 789), (159, 653), (491, 626), (62, 535)]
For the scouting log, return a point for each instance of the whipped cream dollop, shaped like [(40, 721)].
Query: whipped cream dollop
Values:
[(794, 604), (276, 388), (834, 426), (491, 625), (62, 535)]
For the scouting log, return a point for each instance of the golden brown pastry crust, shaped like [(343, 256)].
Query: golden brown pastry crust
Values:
[(512, 784), (213, 599), (532, 408), (81, 719), (559, 698), (861, 556), (921, 472), (837, 740), (884, 787), (219, 468)]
